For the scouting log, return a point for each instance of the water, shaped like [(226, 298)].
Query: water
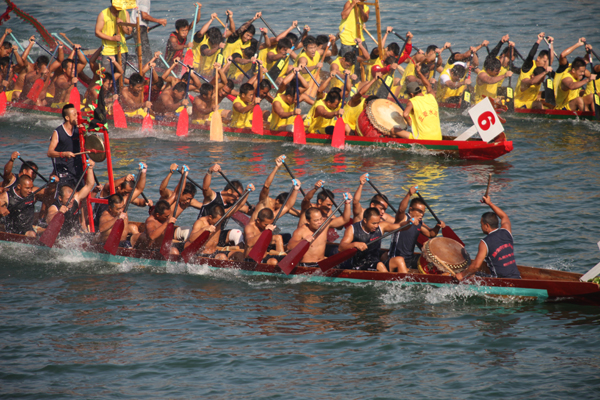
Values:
[(75, 328)]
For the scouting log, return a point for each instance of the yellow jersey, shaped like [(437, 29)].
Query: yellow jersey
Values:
[(310, 62), (444, 92), (240, 120), (318, 124), (348, 28), (335, 82), (278, 122), (110, 29), (351, 113), (425, 118), (563, 97), (526, 97), (489, 90)]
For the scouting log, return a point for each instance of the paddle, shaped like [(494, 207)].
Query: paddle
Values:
[(114, 238), (240, 68), (31, 167), (292, 259), (312, 89), (197, 244), (184, 119), (35, 90), (487, 190), (403, 47), (313, 78), (260, 247), (276, 69), (231, 184), (381, 194), (299, 133), (51, 233), (393, 95), (467, 94), (147, 122), (338, 139), (74, 97), (510, 96), (549, 96), (165, 248), (20, 47), (330, 262), (257, 115), (193, 72), (118, 114), (292, 175), (189, 54), (216, 122), (267, 25), (149, 29), (167, 65), (446, 231)]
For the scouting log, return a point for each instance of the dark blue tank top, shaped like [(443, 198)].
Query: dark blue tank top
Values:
[(71, 225), (217, 200), (68, 167), (372, 253), (403, 242), (501, 254), (22, 210)]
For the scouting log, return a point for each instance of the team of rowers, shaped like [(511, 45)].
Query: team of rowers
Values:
[(65, 193), (289, 63)]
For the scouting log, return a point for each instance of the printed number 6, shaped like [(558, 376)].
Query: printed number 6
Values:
[(486, 120)]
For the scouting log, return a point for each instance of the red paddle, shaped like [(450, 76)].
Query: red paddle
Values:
[(338, 140), (2, 103), (118, 114), (292, 259), (147, 122), (74, 97), (51, 233), (299, 133), (35, 90), (165, 248), (114, 238), (257, 115), (184, 118), (447, 231), (339, 258), (197, 244), (260, 247)]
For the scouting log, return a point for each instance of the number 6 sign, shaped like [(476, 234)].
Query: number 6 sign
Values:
[(486, 120)]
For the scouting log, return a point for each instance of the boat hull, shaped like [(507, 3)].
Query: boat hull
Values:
[(467, 150), (538, 284)]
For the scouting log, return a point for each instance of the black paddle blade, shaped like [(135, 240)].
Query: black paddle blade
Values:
[(260, 247), (114, 238), (165, 248), (51, 233), (336, 259), (196, 245), (290, 261), (549, 92)]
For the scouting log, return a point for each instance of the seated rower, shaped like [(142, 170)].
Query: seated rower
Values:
[(451, 84), (356, 105), (489, 79), (527, 93), (361, 233), (243, 107), (402, 249), (156, 224), (20, 201), (39, 71), (72, 225), (123, 187), (264, 220), (284, 110), (569, 86), (312, 219), (132, 97), (188, 194), (322, 116), (324, 202), (421, 112), (496, 249), (170, 101), (28, 168), (116, 205), (379, 202), (203, 104), (265, 201), (207, 223)]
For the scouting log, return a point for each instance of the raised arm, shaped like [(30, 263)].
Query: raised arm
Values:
[(208, 193), (504, 220), (306, 204), (357, 209), (264, 193), (164, 191)]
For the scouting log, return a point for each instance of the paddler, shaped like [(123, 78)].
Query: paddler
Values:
[(378, 202), (265, 201), (170, 100), (113, 35), (421, 112), (569, 86), (284, 110), (428, 62), (322, 116), (243, 106), (28, 168), (64, 143), (489, 79), (6, 48), (206, 49), (155, 226), (533, 73), (39, 71), (133, 99), (203, 105), (207, 223), (496, 249), (19, 202), (361, 233), (242, 38), (64, 79), (348, 25), (402, 249), (264, 220), (188, 194), (116, 205), (72, 224), (311, 220), (177, 41)]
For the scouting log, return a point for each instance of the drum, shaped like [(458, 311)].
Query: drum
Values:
[(95, 145), (441, 255), (379, 117)]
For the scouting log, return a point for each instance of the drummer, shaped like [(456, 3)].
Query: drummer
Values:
[(496, 249), (402, 249)]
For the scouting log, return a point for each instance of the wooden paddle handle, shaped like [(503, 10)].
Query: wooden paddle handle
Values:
[(487, 190), (221, 22), (65, 36), (371, 36)]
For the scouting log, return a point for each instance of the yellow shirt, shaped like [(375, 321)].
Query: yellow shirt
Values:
[(318, 124), (488, 90), (351, 113), (563, 97), (444, 92), (310, 62), (278, 122), (281, 63), (235, 47), (425, 118), (335, 82), (529, 95), (241, 120), (590, 87), (348, 28), (110, 29), (198, 61)]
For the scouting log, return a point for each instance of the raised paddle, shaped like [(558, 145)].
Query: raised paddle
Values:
[(330, 262), (393, 95), (114, 238), (338, 139), (510, 95), (292, 175), (74, 96), (267, 25), (197, 244), (51, 233), (165, 248), (31, 167), (149, 29), (276, 69), (189, 54), (299, 133), (549, 96), (260, 247), (446, 231), (216, 122), (257, 114), (167, 65), (292, 259), (240, 68), (20, 47), (118, 114), (231, 184), (381, 194), (184, 119), (147, 122), (487, 190), (193, 72)]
